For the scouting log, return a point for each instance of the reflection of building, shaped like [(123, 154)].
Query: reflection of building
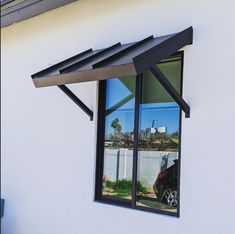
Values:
[(108, 143)]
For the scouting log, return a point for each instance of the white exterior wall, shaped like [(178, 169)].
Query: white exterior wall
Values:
[(48, 143)]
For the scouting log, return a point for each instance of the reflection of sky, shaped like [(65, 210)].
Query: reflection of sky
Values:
[(116, 91), (125, 116), (164, 114)]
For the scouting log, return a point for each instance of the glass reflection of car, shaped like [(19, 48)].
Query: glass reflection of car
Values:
[(165, 187)]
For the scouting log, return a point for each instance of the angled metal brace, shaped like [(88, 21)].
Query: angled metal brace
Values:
[(71, 95), (119, 104), (171, 90)]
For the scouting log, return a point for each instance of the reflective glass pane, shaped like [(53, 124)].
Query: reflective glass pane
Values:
[(158, 152), (119, 136)]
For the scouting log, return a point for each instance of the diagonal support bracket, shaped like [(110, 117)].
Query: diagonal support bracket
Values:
[(71, 95), (171, 90), (119, 104)]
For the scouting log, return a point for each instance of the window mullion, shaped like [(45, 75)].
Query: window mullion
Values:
[(100, 139), (136, 138)]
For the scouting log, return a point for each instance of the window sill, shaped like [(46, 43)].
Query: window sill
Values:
[(127, 204)]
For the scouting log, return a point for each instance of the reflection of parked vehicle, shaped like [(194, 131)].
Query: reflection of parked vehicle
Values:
[(165, 186)]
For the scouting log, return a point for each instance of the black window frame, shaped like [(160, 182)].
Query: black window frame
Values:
[(100, 147)]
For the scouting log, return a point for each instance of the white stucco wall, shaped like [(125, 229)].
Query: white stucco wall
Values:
[(48, 144)]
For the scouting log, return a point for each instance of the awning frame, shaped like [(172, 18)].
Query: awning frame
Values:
[(171, 90), (117, 61), (75, 99)]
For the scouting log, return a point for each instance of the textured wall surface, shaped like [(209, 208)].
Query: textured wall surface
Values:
[(48, 144)]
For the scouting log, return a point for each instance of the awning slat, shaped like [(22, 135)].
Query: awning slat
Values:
[(121, 52), (88, 59), (61, 64)]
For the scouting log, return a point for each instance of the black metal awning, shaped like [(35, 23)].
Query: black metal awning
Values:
[(117, 61)]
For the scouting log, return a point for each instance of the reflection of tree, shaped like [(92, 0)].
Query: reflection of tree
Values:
[(175, 134), (116, 125), (127, 140), (119, 138), (159, 141), (117, 128), (148, 141)]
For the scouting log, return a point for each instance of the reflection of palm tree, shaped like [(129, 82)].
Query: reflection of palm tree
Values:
[(117, 127)]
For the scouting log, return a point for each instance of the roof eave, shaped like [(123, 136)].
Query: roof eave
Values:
[(16, 11)]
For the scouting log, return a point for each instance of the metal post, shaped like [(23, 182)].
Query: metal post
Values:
[(136, 139), (118, 163), (2, 207), (125, 164)]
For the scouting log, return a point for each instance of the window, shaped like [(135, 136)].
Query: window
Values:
[(138, 146)]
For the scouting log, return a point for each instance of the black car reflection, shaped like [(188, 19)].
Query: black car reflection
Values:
[(165, 186)]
